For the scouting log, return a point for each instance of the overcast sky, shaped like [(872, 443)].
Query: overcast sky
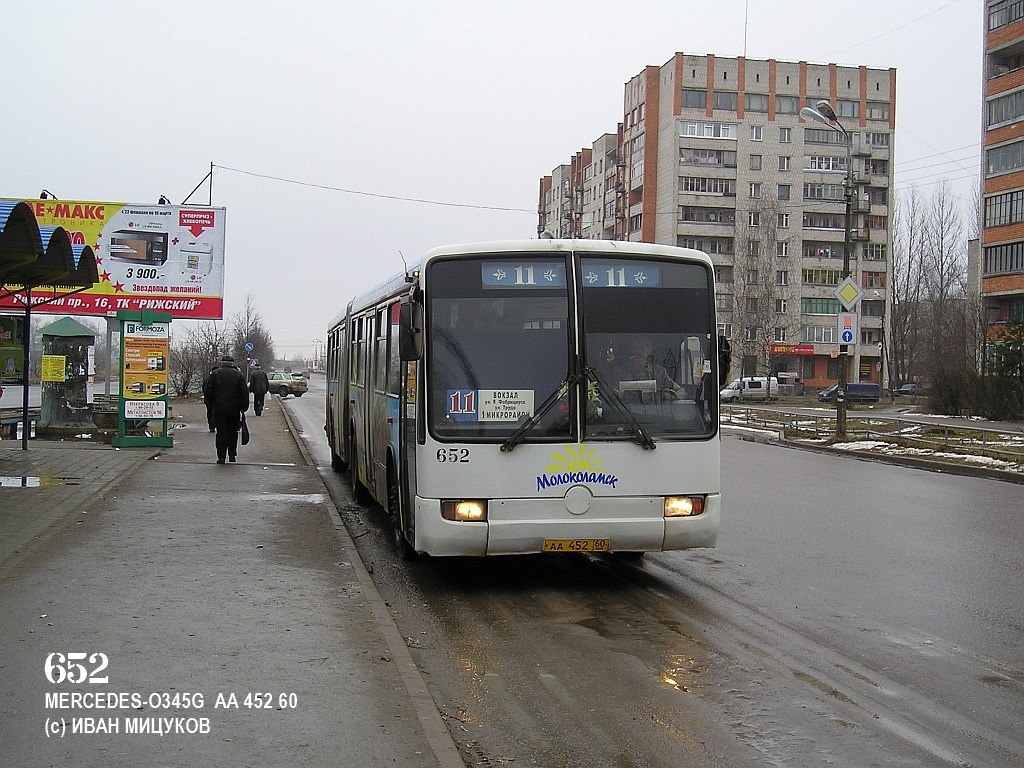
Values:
[(317, 114)]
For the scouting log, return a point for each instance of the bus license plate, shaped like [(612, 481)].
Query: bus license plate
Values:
[(577, 545)]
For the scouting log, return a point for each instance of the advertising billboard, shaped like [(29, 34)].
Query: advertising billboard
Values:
[(161, 258)]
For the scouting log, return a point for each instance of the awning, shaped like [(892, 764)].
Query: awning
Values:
[(32, 256)]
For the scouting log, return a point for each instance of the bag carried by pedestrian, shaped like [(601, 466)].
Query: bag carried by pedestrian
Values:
[(245, 431)]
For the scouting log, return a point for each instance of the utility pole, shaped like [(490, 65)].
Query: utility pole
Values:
[(823, 113)]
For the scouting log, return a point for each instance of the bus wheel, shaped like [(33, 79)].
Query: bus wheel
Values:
[(402, 546), (338, 464)]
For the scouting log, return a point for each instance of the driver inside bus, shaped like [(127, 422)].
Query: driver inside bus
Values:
[(638, 366)]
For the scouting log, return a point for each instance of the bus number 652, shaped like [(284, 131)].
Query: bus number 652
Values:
[(449, 455)]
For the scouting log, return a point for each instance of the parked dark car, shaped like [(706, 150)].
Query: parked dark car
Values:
[(855, 393), (910, 389)]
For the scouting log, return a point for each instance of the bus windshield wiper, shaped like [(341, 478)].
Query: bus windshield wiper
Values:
[(532, 421), (640, 435)]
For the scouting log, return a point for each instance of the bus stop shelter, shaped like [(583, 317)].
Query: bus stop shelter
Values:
[(43, 260)]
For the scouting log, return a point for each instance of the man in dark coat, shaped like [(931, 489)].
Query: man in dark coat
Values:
[(259, 385), (225, 390), (209, 403)]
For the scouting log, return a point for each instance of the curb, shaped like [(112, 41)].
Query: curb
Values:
[(441, 742)]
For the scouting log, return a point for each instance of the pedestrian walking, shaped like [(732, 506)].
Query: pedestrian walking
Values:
[(259, 385), (208, 401), (225, 390)]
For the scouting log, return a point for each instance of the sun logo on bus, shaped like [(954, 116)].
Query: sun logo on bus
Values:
[(574, 460)]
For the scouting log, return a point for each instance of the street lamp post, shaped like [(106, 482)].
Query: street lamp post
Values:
[(823, 113), (317, 355)]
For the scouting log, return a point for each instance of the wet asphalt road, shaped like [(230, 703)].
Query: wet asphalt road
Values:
[(855, 613)]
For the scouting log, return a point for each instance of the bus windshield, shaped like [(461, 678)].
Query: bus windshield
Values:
[(502, 355), (647, 329), (498, 346)]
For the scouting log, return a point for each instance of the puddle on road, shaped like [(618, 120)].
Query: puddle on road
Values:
[(312, 498), (30, 481)]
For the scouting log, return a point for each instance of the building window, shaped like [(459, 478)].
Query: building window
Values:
[(727, 100), (787, 105), (752, 276), (878, 110), (713, 245), (872, 308), (823, 136), (1004, 209), (784, 162), (781, 305), (825, 163), (750, 334), (756, 133), (780, 334), (723, 302), (694, 98), (822, 250), (755, 189), (1003, 259), (818, 191), (872, 279), (707, 130), (818, 306), (750, 304), (1006, 109), (754, 218), (713, 157), (782, 221), (847, 108), (821, 334), (753, 247), (755, 102), (1004, 12), (785, 135), (723, 273), (782, 277), (784, 191), (1009, 157), (707, 186), (875, 252), (755, 162), (635, 222), (822, 276), (725, 329), (782, 248)]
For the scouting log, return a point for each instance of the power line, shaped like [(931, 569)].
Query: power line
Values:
[(375, 194)]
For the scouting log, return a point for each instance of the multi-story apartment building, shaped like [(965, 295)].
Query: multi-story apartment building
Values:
[(712, 154), (1002, 256)]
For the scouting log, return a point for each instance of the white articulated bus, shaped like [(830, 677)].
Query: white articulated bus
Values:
[(534, 396)]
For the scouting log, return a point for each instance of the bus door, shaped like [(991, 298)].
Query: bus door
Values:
[(377, 437)]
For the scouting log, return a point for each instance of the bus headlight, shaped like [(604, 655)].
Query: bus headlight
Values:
[(683, 506), (466, 510)]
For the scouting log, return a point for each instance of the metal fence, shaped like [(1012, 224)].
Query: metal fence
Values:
[(897, 431)]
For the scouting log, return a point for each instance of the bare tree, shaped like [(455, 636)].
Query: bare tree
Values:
[(247, 328), (194, 356), (761, 287)]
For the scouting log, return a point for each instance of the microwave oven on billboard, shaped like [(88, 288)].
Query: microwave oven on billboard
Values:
[(139, 247)]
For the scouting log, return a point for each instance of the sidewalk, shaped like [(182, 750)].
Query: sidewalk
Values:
[(237, 582)]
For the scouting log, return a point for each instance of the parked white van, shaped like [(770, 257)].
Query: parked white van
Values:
[(750, 388)]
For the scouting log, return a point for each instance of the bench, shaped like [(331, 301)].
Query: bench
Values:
[(11, 418)]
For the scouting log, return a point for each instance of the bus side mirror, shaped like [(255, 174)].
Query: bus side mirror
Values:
[(410, 331), (724, 360)]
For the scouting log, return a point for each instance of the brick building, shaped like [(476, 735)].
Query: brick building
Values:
[(712, 153)]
